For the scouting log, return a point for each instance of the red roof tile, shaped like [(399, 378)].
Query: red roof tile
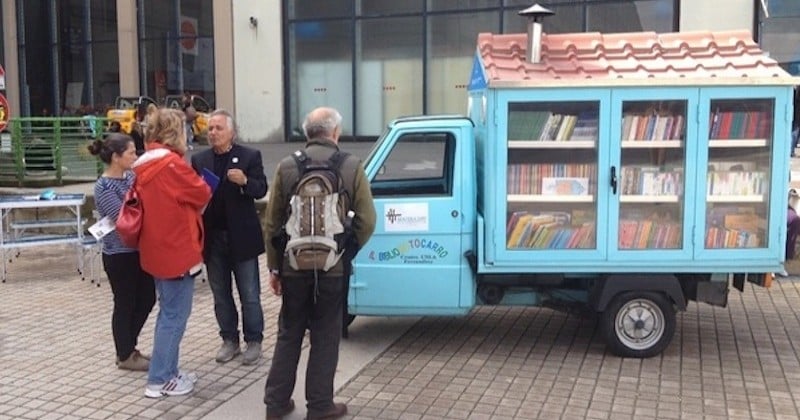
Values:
[(630, 58)]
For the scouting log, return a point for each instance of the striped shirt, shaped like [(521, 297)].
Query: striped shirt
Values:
[(108, 196)]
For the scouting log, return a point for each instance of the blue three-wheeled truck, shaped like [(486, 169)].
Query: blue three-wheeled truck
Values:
[(625, 173)]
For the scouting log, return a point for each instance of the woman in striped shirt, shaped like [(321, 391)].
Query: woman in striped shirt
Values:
[(133, 289)]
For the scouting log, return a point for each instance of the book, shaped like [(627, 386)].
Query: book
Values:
[(565, 186), (210, 178)]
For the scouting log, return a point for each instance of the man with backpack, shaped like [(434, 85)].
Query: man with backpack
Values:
[(320, 212)]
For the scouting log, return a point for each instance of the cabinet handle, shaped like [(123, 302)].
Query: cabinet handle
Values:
[(614, 179)]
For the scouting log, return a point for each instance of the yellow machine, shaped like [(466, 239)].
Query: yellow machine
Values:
[(125, 111), (126, 108), (200, 123)]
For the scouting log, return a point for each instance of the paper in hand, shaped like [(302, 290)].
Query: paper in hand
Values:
[(210, 178), (102, 228)]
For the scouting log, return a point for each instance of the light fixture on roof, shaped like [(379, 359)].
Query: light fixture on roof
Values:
[(535, 15)]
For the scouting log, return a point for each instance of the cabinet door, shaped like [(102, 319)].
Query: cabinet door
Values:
[(648, 174), (741, 171), (550, 159)]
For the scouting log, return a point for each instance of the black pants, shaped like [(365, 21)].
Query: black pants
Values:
[(134, 297), (324, 318)]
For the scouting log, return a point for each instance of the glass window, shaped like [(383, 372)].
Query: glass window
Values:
[(386, 7), (435, 5), (568, 18), (389, 73), (320, 66), (176, 48), (575, 16), (402, 173), (777, 37), (68, 57), (452, 40), (314, 9), (631, 16)]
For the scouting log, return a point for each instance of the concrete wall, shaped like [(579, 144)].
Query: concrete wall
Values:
[(258, 70), (716, 15)]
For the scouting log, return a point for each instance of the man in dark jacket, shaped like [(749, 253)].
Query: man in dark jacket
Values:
[(312, 299), (233, 239)]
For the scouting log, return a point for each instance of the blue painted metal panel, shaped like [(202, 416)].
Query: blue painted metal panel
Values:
[(401, 270)]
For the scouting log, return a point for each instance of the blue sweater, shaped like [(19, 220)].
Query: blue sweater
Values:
[(108, 196)]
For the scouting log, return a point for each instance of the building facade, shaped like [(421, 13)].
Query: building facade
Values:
[(271, 61)]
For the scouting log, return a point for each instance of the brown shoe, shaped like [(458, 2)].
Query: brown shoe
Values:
[(277, 414), (338, 410), (134, 362)]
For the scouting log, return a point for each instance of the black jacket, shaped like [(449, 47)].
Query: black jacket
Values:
[(244, 229)]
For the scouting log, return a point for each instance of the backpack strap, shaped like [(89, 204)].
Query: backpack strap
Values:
[(301, 160)]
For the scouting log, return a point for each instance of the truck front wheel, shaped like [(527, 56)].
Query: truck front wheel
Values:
[(638, 324)]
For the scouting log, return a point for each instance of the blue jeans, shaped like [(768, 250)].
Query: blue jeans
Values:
[(175, 305), (220, 265)]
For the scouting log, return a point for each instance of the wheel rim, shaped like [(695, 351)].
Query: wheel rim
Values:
[(639, 324)]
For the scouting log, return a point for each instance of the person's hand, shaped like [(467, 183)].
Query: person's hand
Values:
[(275, 284), (237, 177)]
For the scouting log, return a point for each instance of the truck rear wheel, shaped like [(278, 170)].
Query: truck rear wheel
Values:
[(638, 324)]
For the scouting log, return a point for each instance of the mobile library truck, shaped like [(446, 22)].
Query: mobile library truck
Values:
[(625, 173)]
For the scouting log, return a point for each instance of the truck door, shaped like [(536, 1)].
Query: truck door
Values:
[(413, 264)]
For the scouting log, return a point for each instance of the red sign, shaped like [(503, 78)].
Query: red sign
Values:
[(5, 112)]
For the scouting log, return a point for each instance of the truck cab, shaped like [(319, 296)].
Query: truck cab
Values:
[(423, 183)]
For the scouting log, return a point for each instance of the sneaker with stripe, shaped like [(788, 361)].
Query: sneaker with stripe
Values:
[(179, 385)]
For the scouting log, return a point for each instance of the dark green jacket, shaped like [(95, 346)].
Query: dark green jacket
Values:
[(286, 175)]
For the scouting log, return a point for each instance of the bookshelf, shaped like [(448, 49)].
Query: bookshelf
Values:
[(551, 176), (638, 171), (652, 174), (738, 172)]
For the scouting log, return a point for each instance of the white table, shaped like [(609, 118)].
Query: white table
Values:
[(16, 233)]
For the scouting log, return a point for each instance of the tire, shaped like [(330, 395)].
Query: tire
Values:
[(638, 324)]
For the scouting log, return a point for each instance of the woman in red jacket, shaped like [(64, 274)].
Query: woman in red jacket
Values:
[(170, 243)]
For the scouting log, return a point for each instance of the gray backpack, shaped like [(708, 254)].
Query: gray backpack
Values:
[(318, 209)]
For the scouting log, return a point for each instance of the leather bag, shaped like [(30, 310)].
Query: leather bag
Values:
[(129, 220)]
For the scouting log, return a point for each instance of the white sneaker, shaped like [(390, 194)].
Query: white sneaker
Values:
[(782, 273), (179, 385), (191, 376)]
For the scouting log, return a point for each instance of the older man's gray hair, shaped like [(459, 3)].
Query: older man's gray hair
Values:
[(321, 122), (228, 118)]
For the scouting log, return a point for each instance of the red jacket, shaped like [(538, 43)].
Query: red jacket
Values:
[(173, 197)]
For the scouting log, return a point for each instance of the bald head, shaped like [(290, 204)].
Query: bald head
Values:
[(323, 122)]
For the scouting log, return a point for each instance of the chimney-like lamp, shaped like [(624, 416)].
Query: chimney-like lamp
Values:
[(535, 15)]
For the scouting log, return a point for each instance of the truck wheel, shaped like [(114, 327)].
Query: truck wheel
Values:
[(638, 324)]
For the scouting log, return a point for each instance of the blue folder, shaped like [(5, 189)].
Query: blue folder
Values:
[(210, 178)]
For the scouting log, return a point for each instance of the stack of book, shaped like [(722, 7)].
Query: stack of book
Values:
[(552, 230), (548, 126)]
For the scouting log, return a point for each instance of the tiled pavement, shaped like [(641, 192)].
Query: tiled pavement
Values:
[(56, 360), (740, 362), (57, 356)]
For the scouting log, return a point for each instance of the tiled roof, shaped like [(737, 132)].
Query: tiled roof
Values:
[(679, 58)]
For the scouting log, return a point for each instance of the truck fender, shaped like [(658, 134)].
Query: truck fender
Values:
[(614, 284)]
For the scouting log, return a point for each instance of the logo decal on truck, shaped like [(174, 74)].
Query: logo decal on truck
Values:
[(413, 251), (405, 217)]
